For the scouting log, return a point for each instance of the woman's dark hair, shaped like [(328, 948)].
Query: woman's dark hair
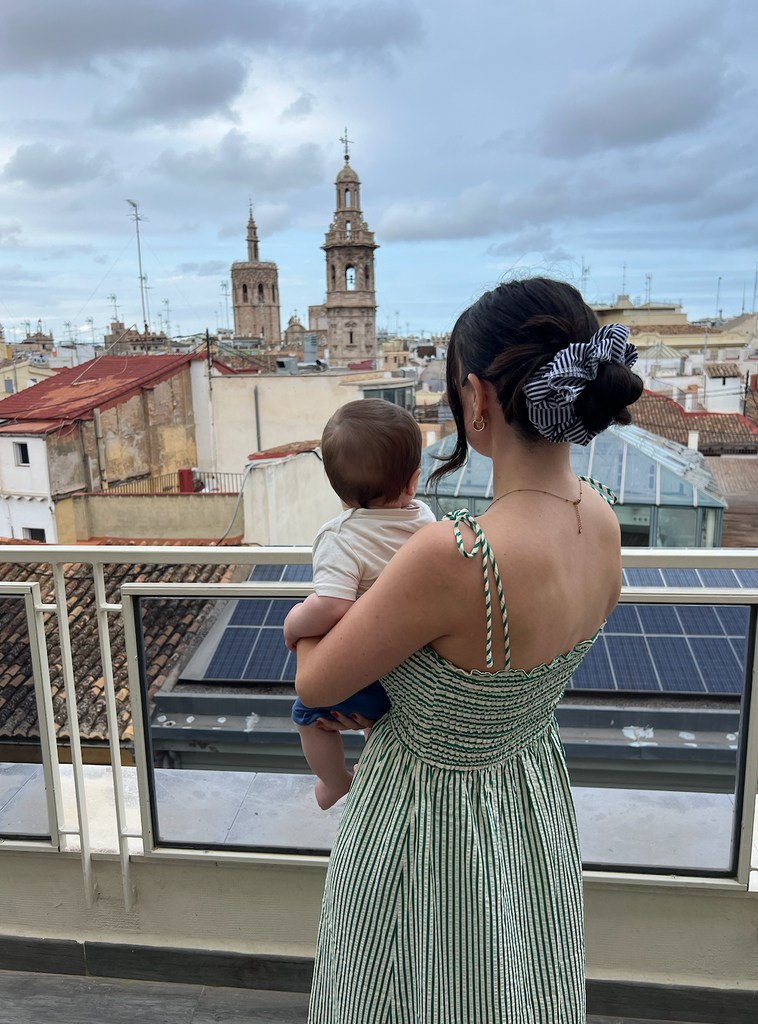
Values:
[(507, 335)]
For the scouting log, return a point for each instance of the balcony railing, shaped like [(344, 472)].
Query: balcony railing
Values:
[(632, 792)]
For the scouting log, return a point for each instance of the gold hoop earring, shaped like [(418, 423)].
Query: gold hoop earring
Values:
[(478, 424)]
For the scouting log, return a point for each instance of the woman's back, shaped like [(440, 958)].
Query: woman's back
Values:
[(559, 584)]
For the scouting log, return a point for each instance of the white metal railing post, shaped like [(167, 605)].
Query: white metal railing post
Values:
[(72, 714), (111, 714), (45, 714)]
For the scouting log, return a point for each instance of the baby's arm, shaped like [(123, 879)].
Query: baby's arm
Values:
[(314, 617)]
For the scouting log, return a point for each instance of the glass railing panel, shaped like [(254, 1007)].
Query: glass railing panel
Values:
[(653, 729), (24, 813)]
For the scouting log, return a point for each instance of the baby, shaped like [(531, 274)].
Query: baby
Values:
[(372, 453)]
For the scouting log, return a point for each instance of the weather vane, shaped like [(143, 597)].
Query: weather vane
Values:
[(346, 143)]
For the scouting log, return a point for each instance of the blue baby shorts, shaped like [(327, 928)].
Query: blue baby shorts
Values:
[(371, 702)]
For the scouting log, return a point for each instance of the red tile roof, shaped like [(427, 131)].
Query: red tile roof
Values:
[(74, 393), (718, 431), (170, 629)]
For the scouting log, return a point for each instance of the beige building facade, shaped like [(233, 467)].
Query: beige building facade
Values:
[(350, 287), (255, 294)]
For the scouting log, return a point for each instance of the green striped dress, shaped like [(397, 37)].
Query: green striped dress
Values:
[(454, 889)]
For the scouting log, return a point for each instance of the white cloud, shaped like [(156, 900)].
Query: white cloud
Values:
[(42, 166)]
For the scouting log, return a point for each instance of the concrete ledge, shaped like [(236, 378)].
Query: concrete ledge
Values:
[(693, 1004)]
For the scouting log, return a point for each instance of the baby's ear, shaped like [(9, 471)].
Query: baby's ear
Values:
[(410, 487)]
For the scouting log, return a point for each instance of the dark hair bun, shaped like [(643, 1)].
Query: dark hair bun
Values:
[(606, 399)]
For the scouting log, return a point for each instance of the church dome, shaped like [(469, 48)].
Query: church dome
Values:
[(347, 173)]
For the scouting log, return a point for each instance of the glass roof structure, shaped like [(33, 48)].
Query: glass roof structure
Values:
[(639, 467)]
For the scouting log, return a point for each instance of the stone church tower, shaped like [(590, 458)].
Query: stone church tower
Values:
[(350, 295), (255, 294)]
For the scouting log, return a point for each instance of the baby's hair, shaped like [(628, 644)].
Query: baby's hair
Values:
[(371, 449), (506, 336)]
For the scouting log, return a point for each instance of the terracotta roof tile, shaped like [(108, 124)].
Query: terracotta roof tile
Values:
[(717, 431), (169, 628), (74, 393)]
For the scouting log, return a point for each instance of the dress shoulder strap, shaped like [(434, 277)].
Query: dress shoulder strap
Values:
[(602, 490), (482, 548)]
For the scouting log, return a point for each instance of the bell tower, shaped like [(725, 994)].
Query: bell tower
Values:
[(255, 294), (350, 292)]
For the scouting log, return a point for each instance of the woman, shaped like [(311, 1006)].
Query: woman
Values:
[(454, 890)]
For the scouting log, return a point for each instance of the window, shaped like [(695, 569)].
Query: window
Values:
[(33, 533), (367, 275), (348, 228), (348, 197), (334, 277), (21, 453), (350, 278), (260, 293), (350, 338), (8, 386), (244, 293)]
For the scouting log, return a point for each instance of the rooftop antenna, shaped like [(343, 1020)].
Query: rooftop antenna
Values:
[(718, 293), (225, 290), (346, 143), (112, 298), (147, 301), (585, 276), (137, 219), (648, 288), (168, 318)]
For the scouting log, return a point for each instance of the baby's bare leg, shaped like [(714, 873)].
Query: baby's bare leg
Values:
[(325, 755)]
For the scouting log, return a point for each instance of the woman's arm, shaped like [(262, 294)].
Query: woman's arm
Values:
[(408, 606)]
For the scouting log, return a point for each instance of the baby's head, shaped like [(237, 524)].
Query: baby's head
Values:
[(372, 453)]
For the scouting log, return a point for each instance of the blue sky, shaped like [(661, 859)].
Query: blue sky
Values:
[(491, 138)]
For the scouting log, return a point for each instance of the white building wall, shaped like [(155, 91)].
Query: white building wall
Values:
[(25, 498), (287, 500)]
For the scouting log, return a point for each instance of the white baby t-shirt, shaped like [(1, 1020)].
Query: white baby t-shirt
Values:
[(351, 550)]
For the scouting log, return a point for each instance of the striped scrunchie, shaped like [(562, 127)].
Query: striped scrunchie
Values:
[(551, 391)]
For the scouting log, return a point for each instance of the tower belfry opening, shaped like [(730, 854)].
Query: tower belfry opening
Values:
[(350, 295)]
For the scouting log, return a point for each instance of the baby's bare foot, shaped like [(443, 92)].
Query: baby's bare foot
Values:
[(327, 796)]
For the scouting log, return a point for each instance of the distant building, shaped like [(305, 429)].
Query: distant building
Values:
[(19, 374), (128, 341), (350, 289), (255, 294), (107, 421)]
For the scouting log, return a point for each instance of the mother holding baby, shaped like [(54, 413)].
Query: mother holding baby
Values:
[(454, 889)]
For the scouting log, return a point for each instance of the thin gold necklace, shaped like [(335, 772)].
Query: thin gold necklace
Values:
[(576, 502)]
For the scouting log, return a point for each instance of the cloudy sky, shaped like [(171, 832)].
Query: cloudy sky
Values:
[(597, 142)]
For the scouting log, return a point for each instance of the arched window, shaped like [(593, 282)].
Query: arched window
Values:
[(244, 293), (349, 228), (273, 293), (348, 197), (350, 278), (367, 275), (334, 277), (260, 293)]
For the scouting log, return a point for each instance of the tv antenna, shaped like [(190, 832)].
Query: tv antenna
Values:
[(135, 213)]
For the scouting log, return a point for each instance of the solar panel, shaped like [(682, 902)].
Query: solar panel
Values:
[(631, 663), (279, 610), (624, 619), (268, 656), (250, 611), (298, 573), (267, 573), (700, 620), (681, 578), (747, 577), (232, 653), (734, 619), (677, 669), (288, 675), (643, 577), (719, 578), (659, 618), (719, 665), (594, 673)]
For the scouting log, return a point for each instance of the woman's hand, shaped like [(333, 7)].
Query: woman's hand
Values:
[(340, 723)]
